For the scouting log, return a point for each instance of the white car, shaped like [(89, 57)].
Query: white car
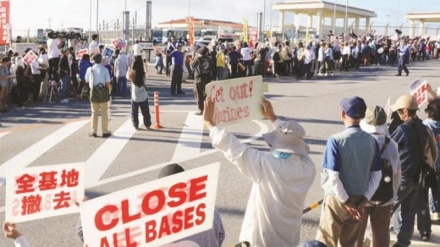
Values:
[(203, 42)]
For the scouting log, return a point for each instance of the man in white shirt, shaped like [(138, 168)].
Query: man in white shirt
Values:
[(121, 68), (137, 49), (281, 178), (247, 59), (309, 57), (53, 53), (94, 45)]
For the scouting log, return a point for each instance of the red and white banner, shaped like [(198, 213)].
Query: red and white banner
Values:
[(154, 213), (30, 57), (4, 22), (44, 191), (80, 53), (236, 100), (418, 89)]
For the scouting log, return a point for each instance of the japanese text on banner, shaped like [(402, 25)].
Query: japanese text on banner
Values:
[(154, 213), (418, 89), (44, 191), (236, 100)]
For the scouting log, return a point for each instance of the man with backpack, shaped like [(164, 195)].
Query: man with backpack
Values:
[(379, 207), (202, 65), (417, 147)]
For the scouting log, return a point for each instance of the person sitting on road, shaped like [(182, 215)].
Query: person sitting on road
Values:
[(281, 178)]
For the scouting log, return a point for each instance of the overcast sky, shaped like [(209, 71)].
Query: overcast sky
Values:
[(33, 14)]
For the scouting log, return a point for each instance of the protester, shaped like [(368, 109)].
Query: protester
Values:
[(403, 51), (120, 72), (285, 172), (202, 76), (10, 231), (84, 64), (416, 146), (234, 57), (94, 45), (94, 76), (5, 77), (433, 123), (36, 80), (177, 61), (220, 58), (351, 174), (171, 46), (378, 213), (53, 53), (22, 89), (64, 75), (158, 65), (139, 94)]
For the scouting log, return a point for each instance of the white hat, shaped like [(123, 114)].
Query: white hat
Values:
[(288, 137)]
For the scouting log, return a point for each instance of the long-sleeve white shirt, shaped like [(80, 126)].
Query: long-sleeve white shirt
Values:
[(274, 210)]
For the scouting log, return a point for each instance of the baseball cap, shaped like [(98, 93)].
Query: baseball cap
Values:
[(354, 107), (405, 101)]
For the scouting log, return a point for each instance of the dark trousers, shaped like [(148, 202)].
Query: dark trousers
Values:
[(22, 93), (423, 214), (234, 68), (248, 65), (145, 109), (176, 81), (308, 70), (168, 65), (344, 65), (287, 67), (36, 83), (408, 195), (435, 203), (53, 69), (200, 95), (402, 66)]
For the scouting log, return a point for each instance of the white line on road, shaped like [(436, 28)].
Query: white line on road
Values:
[(99, 162), (263, 129), (32, 153), (4, 133), (190, 138)]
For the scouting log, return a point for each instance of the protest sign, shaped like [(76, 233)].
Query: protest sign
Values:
[(80, 53), (236, 100), (30, 57), (44, 191), (154, 213), (116, 41), (108, 52), (418, 89)]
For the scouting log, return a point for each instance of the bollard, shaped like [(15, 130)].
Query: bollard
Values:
[(156, 110)]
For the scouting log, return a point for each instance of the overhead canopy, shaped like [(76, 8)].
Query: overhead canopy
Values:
[(422, 18)]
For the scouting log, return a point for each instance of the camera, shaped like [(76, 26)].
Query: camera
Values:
[(398, 31)]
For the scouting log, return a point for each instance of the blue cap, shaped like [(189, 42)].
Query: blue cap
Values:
[(354, 107), (313, 243)]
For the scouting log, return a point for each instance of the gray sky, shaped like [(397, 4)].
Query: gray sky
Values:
[(33, 14)]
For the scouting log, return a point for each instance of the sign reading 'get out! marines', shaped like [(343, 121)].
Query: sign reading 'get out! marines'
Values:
[(236, 100), (154, 213)]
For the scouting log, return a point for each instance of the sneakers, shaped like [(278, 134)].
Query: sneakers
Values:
[(425, 238), (407, 73), (105, 135), (65, 101), (435, 216), (93, 135)]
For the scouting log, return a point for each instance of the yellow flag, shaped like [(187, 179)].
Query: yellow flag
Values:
[(245, 30)]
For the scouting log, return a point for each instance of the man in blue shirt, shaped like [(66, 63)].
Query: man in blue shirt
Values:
[(351, 174), (403, 58), (177, 60)]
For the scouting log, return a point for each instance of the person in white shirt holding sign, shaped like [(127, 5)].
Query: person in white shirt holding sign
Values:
[(281, 178)]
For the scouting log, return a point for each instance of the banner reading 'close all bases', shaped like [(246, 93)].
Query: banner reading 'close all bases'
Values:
[(154, 213)]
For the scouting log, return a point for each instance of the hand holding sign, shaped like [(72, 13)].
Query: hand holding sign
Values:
[(267, 110), (10, 230)]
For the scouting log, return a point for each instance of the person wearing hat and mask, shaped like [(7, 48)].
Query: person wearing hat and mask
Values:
[(281, 178), (416, 145), (350, 176), (375, 123)]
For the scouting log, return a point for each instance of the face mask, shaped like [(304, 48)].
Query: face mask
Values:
[(281, 155)]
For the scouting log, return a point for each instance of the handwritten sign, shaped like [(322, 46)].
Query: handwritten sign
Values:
[(236, 100), (44, 191), (154, 213), (30, 57), (418, 89), (80, 53)]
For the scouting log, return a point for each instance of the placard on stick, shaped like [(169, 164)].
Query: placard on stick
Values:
[(154, 213), (30, 57), (418, 89), (43, 191), (237, 100)]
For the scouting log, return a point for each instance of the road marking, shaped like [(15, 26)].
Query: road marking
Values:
[(32, 153), (4, 133), (190, 138), (263, 129), (103, 157)]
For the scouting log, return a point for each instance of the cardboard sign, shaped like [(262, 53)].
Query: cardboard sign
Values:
[(80, 53), (236, 100), (116, 41), (154, 213), (44, 191), (107, 52), (30, 57), (419, 91)]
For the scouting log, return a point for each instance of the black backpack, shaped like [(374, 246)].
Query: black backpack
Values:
[(384, 192), (276, 57), (204, 68)]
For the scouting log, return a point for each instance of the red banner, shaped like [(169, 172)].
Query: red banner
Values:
[(191, 30), (4, 22)]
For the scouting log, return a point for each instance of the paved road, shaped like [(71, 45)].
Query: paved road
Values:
[(46, 134)]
